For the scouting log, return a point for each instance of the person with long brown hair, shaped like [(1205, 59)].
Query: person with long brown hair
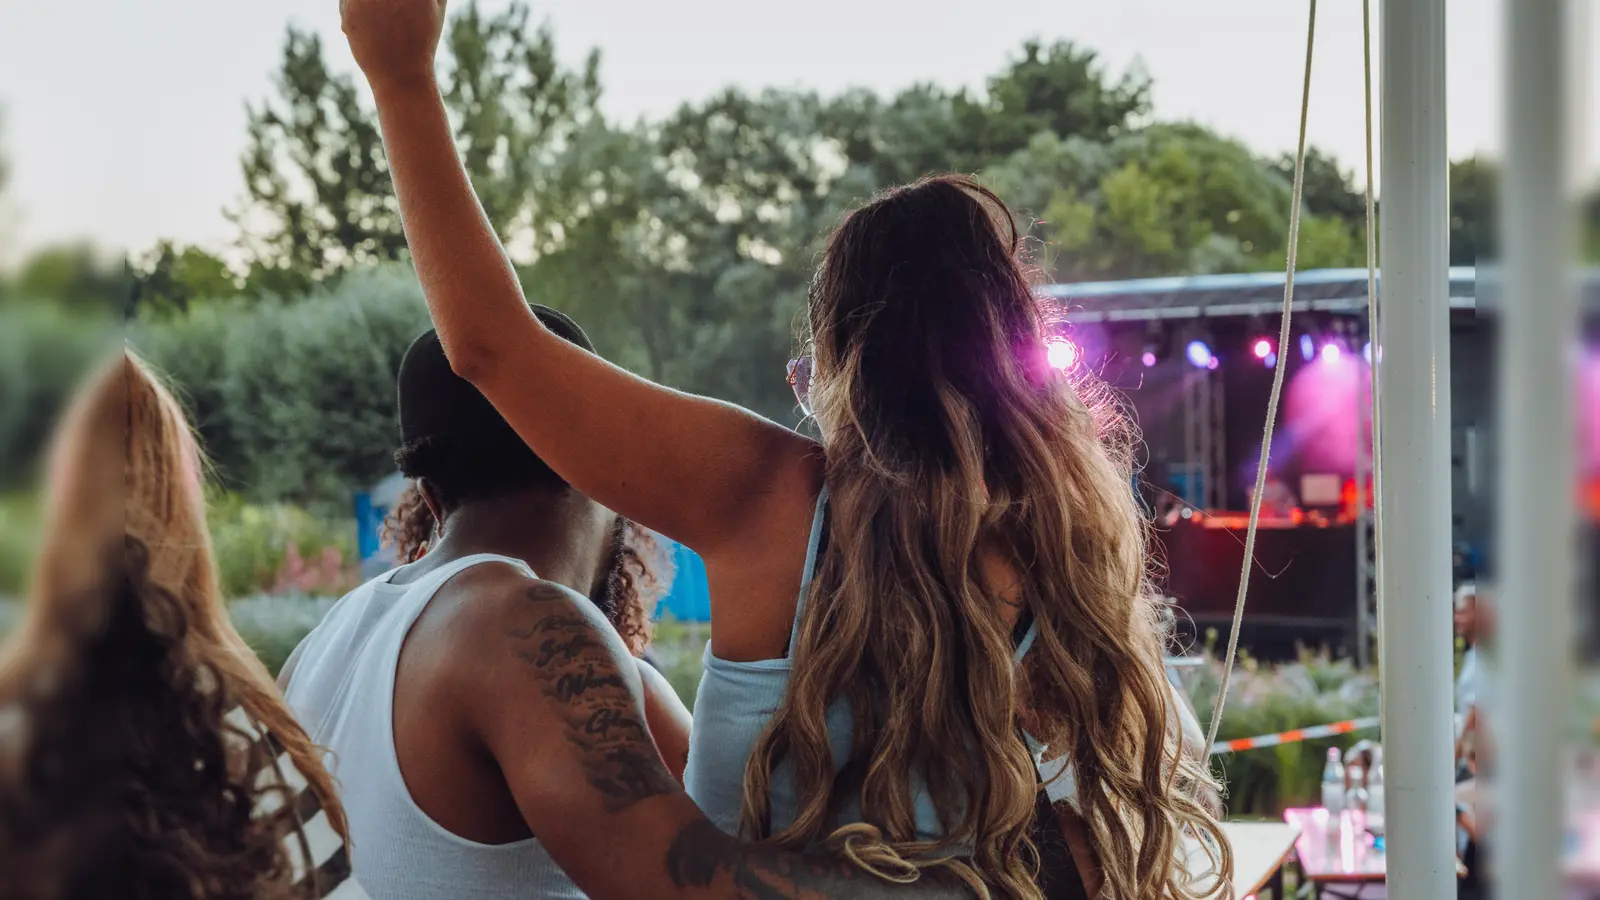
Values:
[(148, 753), (914, 620)]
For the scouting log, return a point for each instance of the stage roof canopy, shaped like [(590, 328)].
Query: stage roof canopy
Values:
[(1336, 291)]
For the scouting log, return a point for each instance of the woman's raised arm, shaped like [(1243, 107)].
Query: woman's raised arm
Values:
[(705, 473)]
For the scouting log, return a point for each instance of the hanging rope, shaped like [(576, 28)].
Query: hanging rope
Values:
[(1277, 384), (1372, 324)]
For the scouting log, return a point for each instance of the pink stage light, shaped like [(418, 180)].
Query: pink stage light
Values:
[(1262, 348), (1061, 353), (1149, 359), (1330, 352), (1589, 412)]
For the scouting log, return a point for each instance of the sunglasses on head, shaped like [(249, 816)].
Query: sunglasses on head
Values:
[(800, 380)]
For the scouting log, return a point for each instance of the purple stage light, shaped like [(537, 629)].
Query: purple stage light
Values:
[(1061, 353)]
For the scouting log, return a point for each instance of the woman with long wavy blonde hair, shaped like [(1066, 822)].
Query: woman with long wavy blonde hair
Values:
[(149, 753), (915, 620)]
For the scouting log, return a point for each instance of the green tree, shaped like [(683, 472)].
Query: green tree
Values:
[(1060, 89), (1590, 224), (1474, 208), (76, 276), (692, 266), (1162, 200), (899, 139), (1475, 211), (170, 278), (518, 116), (318, 197), (1328, 189)]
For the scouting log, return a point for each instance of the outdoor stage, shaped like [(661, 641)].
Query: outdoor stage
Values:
[(1195, 357), (1302, 592)]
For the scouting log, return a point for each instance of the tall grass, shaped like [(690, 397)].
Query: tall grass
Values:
[(1263, 699)]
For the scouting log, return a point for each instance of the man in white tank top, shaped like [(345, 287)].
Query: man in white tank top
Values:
[(490, 733)]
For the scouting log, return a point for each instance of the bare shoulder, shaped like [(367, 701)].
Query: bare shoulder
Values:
[(654, 682), (497, 599), (498, 616), (784, 498)]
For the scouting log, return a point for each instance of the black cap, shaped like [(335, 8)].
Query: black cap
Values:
[(436, 403)]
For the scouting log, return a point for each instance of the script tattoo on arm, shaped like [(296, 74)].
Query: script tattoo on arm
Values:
[(601, 715), (703, 856)]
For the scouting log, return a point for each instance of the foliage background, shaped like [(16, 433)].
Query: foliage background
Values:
[(684, 245)]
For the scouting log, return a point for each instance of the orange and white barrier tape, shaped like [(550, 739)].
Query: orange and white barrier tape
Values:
[(1298, 734)]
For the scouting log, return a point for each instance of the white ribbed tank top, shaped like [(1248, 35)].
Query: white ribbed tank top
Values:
[(342, 690)]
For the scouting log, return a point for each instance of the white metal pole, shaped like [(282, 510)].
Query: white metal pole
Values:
[(1414, 344), (1538, 511)]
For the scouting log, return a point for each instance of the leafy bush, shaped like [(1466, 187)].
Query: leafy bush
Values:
[(45, 350), (274, 626), (19, 527), (1315, 690), (192, 352), (261, 548), (295, 401), (679, 650)]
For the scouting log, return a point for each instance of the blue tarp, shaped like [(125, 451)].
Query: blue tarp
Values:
[(689, 599), (371, 508)]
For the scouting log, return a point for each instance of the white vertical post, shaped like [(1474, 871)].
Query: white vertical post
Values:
[(1538, 508), (1414, 346)]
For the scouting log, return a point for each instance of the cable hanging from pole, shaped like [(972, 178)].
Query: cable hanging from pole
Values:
[(1277, 384), (1375, 364)]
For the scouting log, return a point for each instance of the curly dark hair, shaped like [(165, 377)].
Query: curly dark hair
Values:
[(461, 470), (125, 779), (640, 573)]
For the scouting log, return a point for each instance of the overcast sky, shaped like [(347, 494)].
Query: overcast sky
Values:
[(124, 120)]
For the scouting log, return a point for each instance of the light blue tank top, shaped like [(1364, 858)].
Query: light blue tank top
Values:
[(735, 702)]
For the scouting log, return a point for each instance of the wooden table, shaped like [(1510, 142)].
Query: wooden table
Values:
[(1259, 851), (1337, 854)]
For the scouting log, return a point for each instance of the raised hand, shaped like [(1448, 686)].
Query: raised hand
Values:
[(394, 41)]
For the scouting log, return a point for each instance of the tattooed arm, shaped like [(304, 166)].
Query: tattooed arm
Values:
[(582, 769)]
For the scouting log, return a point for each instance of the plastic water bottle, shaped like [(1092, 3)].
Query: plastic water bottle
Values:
[(1357, 797), (1333, 782), (1375, 790)]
